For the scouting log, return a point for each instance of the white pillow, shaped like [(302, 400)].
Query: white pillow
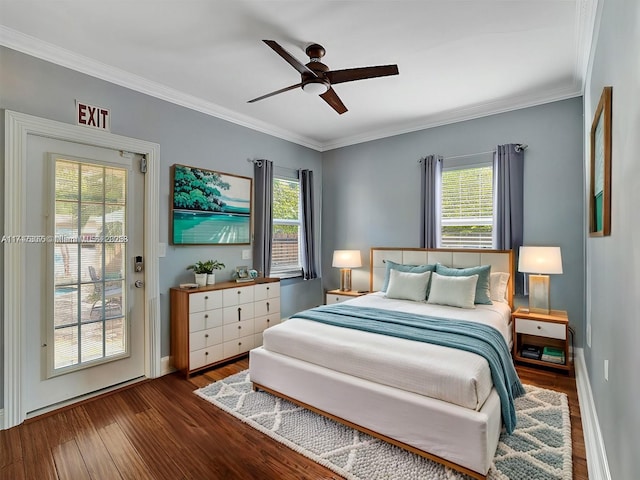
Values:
[(453, 291), (408, 286), (498, 287)]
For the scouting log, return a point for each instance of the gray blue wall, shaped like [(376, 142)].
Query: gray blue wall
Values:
[(187, 137), (613, 263), (372, 191)]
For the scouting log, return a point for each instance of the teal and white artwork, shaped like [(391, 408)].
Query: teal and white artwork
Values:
[(210, 208)]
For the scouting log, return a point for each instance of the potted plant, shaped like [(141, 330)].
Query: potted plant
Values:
[(204, 271), (210, 266)]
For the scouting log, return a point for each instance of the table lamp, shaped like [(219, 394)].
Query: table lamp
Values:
[(539, 262), (345, 260)]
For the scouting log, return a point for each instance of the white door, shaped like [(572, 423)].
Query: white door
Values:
[(85, 315)]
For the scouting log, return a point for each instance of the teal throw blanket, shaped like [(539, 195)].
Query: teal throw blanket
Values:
[(473, 337)]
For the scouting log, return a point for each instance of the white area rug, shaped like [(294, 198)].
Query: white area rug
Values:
[(540, 447)]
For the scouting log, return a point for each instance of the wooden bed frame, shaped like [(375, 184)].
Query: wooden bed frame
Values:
[(306, 384)]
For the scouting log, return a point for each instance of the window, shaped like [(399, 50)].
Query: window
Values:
[(467, 206), (89, 321), (285, 251)]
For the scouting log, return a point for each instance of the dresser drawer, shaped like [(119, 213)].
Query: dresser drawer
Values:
[(208, 355), (267, 307), (238, 346), (203, 320), (237, 314), (262, 291), (237, 329), (541, 329), (237, 296), (205, 301), (205, 338), (262, 323)]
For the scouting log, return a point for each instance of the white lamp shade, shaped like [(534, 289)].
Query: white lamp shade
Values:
[(347, 259), (542, 260)]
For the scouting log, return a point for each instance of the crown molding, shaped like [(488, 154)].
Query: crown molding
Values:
[(462, 114), (46, 51), (584, 32)]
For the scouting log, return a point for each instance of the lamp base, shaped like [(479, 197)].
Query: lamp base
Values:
[(539, 294), (345, 279)]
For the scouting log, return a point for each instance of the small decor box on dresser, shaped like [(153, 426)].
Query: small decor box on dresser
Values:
[(219, 322), (540, 339), (337, 296)]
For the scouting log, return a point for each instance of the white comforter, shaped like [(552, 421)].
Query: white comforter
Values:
[(451, 375)]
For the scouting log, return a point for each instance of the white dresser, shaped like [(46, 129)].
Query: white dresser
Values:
[(218, 322)]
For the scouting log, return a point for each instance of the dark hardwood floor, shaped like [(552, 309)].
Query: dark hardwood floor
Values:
[(159, 430)]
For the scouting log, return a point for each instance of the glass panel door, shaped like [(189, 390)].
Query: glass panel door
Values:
[(89, 323)]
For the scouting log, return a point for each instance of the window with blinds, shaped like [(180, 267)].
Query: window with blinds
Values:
[(467, 207), (285, 252)]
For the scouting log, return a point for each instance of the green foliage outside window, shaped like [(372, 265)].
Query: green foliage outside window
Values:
[(286, 206)]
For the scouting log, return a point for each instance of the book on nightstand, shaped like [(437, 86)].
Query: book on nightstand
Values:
[(531, 351), (553, 355)]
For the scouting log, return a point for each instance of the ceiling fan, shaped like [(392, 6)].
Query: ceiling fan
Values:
[(317, 78)]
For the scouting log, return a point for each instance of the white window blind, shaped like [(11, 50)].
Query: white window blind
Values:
[(467, 207), (285, 252)]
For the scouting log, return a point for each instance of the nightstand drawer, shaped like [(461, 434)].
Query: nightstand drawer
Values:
[(337, 298), (541, 329)]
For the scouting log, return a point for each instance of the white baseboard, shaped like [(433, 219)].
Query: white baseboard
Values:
[(166, 366), (597, 463)]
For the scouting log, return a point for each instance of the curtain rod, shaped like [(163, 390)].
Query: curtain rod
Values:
[(519, 147)]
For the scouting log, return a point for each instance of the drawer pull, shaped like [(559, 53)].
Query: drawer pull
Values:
[(206, 335), (206, 316), (267, 306), (206, 353), (268, 320), (239, 292), (239, 327), (239, 313), (539, 327), (206, 298), (239, 344)]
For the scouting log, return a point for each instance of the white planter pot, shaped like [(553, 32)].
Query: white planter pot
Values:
[(201, 279), (211, 278)]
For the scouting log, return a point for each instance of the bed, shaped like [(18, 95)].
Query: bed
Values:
[(428, 398)]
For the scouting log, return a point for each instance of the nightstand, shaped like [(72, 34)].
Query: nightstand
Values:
[(337, 296), (538, 330)]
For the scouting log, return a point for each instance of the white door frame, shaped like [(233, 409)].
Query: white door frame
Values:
[(17, 127)]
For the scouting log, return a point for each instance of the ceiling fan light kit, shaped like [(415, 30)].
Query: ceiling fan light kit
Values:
[(315, 87), (316, 78)]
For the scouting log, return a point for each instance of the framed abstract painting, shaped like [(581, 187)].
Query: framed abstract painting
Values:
[(209, 208)]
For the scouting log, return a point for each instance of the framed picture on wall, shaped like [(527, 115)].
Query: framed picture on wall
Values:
[(600, 176), (209, 208)]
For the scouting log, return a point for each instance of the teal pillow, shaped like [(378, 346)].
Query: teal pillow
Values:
[(483, 287), (404, 268)]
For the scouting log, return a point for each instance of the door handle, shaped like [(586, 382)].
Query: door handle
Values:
[(139, 283)]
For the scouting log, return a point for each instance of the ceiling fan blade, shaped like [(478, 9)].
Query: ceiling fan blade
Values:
[(290, 59), (351, 74), (282, 90), (332, 98)]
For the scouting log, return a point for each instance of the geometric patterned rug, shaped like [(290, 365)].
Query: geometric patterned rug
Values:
[(539, 448)]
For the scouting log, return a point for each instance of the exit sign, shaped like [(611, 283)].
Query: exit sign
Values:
[(93, 116)]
